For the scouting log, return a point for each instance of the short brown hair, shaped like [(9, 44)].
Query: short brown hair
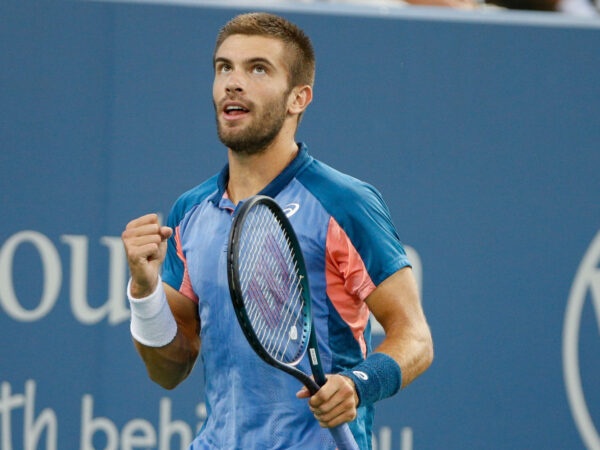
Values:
[(302, 60)]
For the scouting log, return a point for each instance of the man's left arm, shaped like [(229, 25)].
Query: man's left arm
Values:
[(404, 354), (396, 304)]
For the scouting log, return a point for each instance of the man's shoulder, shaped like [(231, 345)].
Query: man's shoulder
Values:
[(193, 197), (337, 191)]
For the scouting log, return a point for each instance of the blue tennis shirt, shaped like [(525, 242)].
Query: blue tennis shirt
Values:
[(350, 246)]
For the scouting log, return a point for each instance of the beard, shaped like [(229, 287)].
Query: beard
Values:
[(259, 133)]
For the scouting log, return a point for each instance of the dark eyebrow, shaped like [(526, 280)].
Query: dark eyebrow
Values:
[(220, 59), (251, 61), (260, 60)]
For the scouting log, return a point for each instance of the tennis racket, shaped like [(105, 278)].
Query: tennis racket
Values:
[(269, 288)]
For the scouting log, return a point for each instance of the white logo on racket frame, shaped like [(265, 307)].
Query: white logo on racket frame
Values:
[(585, 285)]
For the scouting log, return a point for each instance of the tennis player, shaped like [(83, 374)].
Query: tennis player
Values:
[(263, 76)]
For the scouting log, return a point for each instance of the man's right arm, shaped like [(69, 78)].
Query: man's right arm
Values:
[(164, 323)]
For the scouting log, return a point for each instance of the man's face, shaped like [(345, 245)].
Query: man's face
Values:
[(250, 92)]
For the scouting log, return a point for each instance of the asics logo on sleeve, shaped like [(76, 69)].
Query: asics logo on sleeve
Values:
[(291, 209), (360, 374)]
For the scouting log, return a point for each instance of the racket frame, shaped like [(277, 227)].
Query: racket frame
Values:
[(240, 310)]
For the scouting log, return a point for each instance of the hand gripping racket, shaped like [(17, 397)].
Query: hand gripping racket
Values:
[(269, 289)]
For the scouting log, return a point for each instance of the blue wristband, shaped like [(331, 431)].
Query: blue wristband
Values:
[(377, 377)]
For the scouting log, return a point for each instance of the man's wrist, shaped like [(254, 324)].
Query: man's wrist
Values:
[(379, 376), (138, 291), (152, 322)]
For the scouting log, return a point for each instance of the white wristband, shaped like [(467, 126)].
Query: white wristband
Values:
[(152, 322)]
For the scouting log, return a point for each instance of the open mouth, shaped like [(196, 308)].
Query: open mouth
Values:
[(235, 110)]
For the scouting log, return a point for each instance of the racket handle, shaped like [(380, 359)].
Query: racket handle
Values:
[(343, 437)]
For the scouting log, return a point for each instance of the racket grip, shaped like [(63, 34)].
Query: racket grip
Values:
[(343, 437)]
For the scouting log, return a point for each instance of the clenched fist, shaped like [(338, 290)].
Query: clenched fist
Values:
[(145, 242)]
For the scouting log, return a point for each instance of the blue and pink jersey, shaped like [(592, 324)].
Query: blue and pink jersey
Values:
[(350, 246)]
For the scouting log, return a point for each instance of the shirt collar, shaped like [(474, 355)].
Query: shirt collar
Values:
[(301, 160)]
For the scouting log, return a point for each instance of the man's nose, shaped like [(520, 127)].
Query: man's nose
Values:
[(234, 83)]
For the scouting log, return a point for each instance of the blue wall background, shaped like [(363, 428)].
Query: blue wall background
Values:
[(481, 129)]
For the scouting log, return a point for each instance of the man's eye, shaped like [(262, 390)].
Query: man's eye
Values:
[(224, 68), (259, 69)]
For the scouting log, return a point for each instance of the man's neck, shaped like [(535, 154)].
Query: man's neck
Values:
[(249, 174)]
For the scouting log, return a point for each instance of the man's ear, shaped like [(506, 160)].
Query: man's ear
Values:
[(299, 99)]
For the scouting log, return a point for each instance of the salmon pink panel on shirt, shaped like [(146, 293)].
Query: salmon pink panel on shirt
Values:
[(348, 282), (186, 285)]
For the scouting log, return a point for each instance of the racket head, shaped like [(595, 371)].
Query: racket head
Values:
[(269, 287)]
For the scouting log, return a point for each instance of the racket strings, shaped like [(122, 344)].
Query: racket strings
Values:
[(268, 310), (271, 287), (273, 321)]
